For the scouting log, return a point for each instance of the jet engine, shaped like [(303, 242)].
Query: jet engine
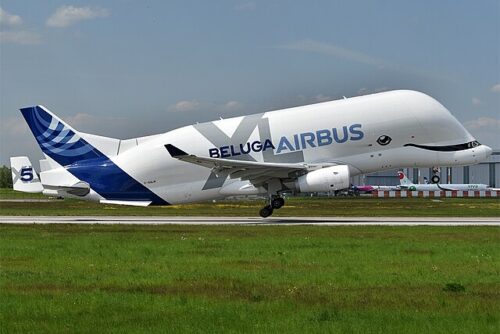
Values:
[(324, 179)]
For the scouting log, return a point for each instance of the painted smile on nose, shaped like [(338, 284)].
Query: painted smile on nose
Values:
[(448, 148)]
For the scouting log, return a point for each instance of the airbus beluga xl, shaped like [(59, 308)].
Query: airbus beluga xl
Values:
[(313, 148)]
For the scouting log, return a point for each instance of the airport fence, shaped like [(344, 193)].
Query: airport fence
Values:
[(453, 193)]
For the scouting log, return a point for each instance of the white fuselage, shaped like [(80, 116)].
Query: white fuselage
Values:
[(446, 187), (407, 117), (369, 133)]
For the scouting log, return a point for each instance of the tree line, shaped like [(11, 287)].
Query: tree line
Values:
[(5, 177)]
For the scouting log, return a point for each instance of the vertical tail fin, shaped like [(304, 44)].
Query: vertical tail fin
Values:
[(24, 176), (404, 180), (57, 139)]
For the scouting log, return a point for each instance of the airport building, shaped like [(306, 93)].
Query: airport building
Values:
[(487, 172)]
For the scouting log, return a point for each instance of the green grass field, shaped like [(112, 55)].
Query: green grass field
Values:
[(304, 206), (273, 279), (118, 278)]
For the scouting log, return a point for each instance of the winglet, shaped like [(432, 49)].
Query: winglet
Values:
[(174, 151)]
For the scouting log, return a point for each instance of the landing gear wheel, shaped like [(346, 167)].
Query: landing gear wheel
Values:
[(266, 211), (277, 202), (435, 179)]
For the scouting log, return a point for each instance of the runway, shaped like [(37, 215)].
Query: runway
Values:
[(323, 221)]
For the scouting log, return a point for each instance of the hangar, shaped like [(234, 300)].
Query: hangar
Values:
[(486, 172)]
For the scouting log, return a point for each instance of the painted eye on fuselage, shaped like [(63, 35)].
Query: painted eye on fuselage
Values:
[(384, 140)]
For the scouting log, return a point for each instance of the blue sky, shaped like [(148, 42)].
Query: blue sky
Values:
[(131, 68)]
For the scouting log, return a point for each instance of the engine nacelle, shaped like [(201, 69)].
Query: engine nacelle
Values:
[(324, 179)]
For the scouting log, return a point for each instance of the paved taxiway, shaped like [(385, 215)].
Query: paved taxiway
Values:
[(328, 221), (28, 200)]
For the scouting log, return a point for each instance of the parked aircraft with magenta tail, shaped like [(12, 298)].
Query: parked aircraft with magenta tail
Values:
[(313, 148)]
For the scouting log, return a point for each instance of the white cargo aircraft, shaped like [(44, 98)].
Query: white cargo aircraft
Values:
[(406, 184), (313, 148)]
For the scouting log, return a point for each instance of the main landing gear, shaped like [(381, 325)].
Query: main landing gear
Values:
[(275, 202), (435, 178)]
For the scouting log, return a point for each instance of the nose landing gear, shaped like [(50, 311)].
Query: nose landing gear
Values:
[(275, 202)]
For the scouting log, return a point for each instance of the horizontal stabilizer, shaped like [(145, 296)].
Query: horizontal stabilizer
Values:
[(78, 189)]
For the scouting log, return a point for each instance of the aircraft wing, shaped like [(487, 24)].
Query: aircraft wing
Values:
[(255, 172)]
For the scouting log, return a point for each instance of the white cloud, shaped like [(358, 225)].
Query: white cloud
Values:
[(476, 101), (232, 105), (79, 119), (9, 19), (184, 106), (496, 88), (358, 57), (84, 120), (483, 122), (486, 130), (67, 15), (332, 50), (20, 37), (322, 98), (366, 91), (187, 106), (16, 36)]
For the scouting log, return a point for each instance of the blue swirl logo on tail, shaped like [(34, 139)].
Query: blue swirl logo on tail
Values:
[(57, 139), (63, 144)]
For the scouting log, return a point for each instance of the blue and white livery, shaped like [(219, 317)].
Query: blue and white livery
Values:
[(307, 149)]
